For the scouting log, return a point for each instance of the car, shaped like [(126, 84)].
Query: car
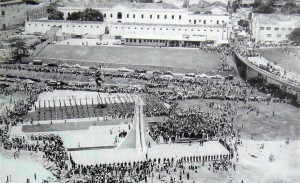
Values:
[(167, 73), (216, 77), (123, 69), (93, 68), (157, 72), (190, 75), (166, 77), (52, 64), (202, 76), (65, 65), (140, 71), (77, 66)]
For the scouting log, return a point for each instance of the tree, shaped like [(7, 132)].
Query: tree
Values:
[(56, 15), (53, 13), (257, 3), (289, 8), (186, 4), (19, 47), (88, 14), (295, 35), (265, 9), (243, 23)]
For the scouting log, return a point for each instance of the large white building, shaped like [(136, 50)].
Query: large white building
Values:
[(144, 24), (273, 27)]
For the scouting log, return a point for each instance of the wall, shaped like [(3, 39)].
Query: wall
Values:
[(121, 29), (78, 28), (152, 16), (13, 15), (273, 30)]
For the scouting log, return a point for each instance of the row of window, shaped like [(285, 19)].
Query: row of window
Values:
[(168, 29), (278, 35), (276, 28), (136, 28), (120, 16), (145, 40)]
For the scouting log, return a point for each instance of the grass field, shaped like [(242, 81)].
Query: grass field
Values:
[(265, 126), (163, 57), (289, 61)]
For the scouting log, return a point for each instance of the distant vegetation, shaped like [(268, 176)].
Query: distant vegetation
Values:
[(53, 13), (263, 7), (88, 14)]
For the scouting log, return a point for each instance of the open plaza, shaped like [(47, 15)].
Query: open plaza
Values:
[(169, 91)]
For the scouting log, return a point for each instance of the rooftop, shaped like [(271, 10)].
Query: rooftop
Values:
[(125, 4), (276, 18)]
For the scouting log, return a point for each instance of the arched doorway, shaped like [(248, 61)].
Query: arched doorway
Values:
[(119, 16), (106, 30)]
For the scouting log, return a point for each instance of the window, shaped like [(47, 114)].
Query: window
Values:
[(179, 17), (172, 16), (119, 15), (142, 28), (217, 21), (150, 16), (84, 26), (262, 28), (283, 29), (160, 28), (97, 26), (130, 40), (290, 29), (134, 40), (142, 16), (276, 28), (199, 20), (127, 15), (212, 30), (3, 13), (133, 15), (165, 16), (269, 35), (104, 15), (111, 15), (91, 26), (210, 20), (140, 40), (67, 25), (204, 21), (42, 24), (157, 16), (278, 35), (268, 28)]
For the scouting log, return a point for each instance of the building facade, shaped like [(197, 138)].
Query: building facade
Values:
[(144, 22), (273, 27), (14, 13)]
